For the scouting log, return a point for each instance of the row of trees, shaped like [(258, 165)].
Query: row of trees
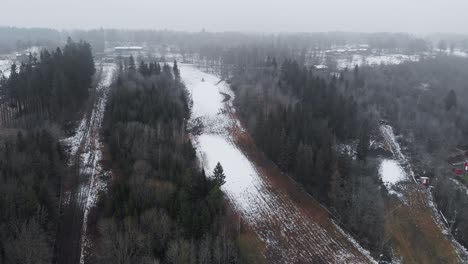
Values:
[(161, 207), (307, 117), (53, 86)]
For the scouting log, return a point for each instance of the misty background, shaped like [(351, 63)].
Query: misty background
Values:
[(416, 16)]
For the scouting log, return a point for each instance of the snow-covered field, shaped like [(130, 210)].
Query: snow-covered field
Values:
[(284, 226), (374, 60), (86, 144)]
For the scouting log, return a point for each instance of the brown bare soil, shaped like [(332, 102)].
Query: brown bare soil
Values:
[(413, 232), (314, 238)]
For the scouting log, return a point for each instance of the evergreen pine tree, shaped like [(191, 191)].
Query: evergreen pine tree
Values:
[(450, 100), (363, 145), (176, 70), (218, 175)]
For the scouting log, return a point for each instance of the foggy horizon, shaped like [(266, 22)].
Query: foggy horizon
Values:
[(417, 17)]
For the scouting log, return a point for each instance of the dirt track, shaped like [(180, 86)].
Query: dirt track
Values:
[(80, 192)]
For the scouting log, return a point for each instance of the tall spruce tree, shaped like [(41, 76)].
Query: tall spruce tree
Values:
[(218, 175)]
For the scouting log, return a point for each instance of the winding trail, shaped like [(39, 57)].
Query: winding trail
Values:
[(294, 227)]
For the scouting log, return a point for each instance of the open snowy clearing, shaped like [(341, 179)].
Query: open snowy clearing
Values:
[(291, 233), (391, 172)]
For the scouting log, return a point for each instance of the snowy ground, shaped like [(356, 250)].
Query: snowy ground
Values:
[(374, 60), (5, 66), (391, 172), (86, 152), (394, 174), (282, 224)]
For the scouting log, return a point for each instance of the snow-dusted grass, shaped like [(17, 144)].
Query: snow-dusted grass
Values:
[(278, 221)]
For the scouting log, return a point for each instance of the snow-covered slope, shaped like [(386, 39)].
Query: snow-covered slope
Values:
[(292, 232)]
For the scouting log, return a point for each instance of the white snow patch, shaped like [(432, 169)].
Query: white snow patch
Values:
[(390, 139), (374, 60), (241, 176), (391, 172)]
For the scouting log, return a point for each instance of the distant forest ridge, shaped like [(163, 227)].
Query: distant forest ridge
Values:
[(17, 39)]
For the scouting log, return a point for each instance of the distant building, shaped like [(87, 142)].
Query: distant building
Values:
[(128, 49), (425, 181), (108, 60), (321, 67), (22, 57)]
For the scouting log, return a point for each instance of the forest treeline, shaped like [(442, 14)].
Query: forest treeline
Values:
[(52, 86), (207, 44), (307, 117), (14, 39), (161, 208), (32, 161)]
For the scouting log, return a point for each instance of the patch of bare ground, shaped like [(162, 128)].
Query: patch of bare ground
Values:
[(300, 225), (412, 231)]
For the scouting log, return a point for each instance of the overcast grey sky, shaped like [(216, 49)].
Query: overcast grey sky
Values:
[(417, 16)]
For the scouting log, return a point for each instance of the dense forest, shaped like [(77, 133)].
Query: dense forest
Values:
[(161, 207), (51, 87), (32, 166), (307, 116), (425, 101), (32, 162)]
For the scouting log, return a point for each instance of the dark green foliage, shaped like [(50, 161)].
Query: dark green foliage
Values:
[(31, 169), (162, 206), (450, 100), (296, 118), (218, 175), (363, 144), (52, 87)]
